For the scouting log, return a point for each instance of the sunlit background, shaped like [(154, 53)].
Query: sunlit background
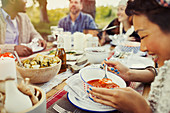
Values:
[(105, 12), (53, 4)]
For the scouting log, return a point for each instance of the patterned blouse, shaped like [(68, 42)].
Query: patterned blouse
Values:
[(159, 97)]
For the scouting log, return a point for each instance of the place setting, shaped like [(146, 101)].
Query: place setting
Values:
[(78, 84)]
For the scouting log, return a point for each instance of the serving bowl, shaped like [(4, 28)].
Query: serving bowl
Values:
[(88, 74), (96, 55), (39, 75)]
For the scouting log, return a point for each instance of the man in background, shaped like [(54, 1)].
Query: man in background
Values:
[(76, 20), (16, 28)]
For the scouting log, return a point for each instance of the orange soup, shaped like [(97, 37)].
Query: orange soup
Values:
[(97, 83)]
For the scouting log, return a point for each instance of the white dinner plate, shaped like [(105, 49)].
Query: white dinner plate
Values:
[(139, 62), (135, 62), (81, 104), (37, 49)]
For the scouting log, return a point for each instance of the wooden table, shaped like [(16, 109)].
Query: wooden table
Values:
[(61, 86)]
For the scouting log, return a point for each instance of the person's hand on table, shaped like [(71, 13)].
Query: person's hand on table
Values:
[(23, 51), (42, 43), (118, 68), (123, 99)]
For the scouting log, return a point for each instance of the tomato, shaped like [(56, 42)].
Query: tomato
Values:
[(7, 54)]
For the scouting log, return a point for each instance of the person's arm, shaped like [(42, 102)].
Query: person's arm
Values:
[(102, 41), (92, 24), (35, 34), (122, 99), (144, 76), (127, 74)]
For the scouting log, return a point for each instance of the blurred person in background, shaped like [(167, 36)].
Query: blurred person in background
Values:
[(16, 28), (76, 21), (124, 24), (151, 22)]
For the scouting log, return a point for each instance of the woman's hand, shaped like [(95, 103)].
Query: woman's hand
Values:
[(123, 99), (119, 69)]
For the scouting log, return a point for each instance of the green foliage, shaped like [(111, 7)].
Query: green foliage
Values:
[(57, 14), (104, 15)]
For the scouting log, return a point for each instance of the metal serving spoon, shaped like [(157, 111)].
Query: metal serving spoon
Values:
[(20, 64)]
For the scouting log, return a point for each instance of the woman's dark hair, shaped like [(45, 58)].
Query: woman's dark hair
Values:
[(152, 10)]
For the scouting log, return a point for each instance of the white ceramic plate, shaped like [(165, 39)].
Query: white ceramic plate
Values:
[(139, 62), (71, 57), (136, 62), (37, 49), (80, 104)]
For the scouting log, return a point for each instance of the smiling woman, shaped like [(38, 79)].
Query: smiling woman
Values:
[(151, 20)]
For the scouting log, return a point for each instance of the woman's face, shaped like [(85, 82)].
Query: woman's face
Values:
[(121, 13), (153, 40)]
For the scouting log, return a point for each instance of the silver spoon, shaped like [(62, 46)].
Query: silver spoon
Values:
[(105, 76), (105, 79)]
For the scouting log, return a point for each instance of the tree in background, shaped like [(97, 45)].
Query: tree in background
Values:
[(89, 6), (43, 10)]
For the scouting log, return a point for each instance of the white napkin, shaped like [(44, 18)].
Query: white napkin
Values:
[(56, 80), (34, 45), (75, 87)]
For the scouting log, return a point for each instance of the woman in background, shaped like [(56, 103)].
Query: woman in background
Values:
[(151, 22), (124, 23)]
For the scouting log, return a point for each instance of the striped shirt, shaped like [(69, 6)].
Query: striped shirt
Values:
[(83, 21)]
